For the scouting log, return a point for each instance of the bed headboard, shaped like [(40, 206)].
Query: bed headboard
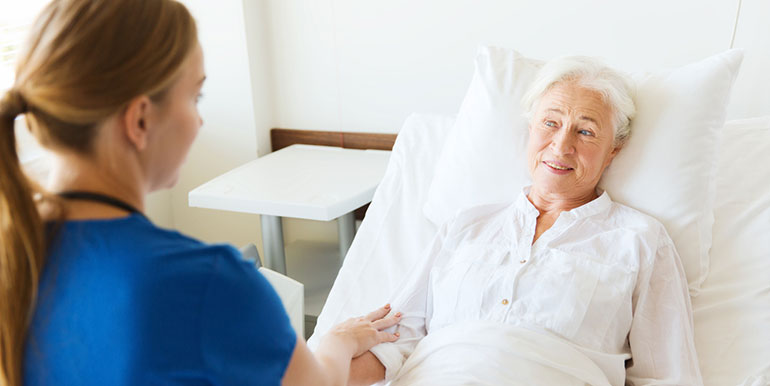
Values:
[(280, 138)]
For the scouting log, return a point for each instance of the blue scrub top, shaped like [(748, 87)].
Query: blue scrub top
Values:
[(123, 302)]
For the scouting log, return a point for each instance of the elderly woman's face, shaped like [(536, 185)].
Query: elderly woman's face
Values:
[(571, 140)]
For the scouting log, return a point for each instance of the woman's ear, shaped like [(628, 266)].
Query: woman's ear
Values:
[(616, 150), (612, 155), (136, 121)]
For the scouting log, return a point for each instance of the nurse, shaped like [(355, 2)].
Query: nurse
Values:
[(91, 292)]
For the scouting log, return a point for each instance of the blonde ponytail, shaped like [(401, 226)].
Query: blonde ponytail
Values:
[(22, 245)]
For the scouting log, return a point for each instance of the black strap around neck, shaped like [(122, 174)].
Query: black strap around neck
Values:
[(98, 197)]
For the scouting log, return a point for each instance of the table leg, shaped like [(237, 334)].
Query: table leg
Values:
[(272, 242), (346, 230)]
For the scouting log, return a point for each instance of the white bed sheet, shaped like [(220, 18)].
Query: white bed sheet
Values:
[(490, 353), (394, 231)]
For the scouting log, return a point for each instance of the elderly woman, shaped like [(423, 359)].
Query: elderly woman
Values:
[(561, 259)]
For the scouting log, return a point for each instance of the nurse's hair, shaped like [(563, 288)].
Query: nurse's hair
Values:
[(84, 61), (616, 88)]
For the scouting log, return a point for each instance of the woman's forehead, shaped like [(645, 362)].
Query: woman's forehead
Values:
[(570, 98)]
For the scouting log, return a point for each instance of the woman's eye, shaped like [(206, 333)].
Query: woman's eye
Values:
[(550, 123), (585, 132)]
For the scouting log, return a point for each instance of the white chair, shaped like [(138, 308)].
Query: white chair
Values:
[(291, 292)]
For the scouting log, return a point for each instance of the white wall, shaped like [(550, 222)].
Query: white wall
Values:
[(228, 137), (158, 208), (357, 65), (751, 95), (364, 66), (259, 47)]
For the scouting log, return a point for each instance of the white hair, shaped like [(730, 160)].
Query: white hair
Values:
[(616, 88)]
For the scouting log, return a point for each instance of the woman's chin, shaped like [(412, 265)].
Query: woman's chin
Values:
[(172, 182), (167, 183), (554, 183)]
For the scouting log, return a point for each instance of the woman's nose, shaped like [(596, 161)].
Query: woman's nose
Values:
[(562, 142)]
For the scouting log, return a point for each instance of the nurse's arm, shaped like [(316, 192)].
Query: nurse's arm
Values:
[(330, 365)]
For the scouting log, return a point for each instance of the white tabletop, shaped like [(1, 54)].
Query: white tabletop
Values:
[(302, 181)]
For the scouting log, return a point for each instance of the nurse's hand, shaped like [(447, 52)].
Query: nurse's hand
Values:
[(330, 364), (362, 333)]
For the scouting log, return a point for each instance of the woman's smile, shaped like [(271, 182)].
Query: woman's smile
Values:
[(557, 167)]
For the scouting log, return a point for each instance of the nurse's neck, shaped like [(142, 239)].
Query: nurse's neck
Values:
[(71, 173), (110, 168), (553, 203)]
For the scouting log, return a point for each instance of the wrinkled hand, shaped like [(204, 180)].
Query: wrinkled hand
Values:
[(362, 333)]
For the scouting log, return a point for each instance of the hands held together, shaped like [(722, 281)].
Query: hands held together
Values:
[(362, 333)]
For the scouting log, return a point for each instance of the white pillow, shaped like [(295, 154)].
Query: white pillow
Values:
[(732, 312), (665, 170), (394, 233)]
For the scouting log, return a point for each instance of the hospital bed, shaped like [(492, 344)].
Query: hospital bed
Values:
[(731, 311)]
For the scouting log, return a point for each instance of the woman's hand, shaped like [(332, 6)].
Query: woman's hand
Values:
[(331, 363), (362, 333)]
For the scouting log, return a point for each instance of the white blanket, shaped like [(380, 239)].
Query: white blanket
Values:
[(487, 353)]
